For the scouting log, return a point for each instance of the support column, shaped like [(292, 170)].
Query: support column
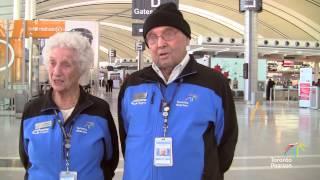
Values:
[(30, 9), (140, 66), (251, 56), (16, 9), (316, 71), (20, 62), (27, 10), (33, 9)]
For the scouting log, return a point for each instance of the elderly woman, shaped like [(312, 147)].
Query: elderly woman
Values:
[(68, 133)]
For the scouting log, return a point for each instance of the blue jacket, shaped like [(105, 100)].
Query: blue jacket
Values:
[(202, 124), (94, 152)]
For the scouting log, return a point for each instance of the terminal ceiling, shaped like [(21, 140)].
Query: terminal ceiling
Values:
[(280, 19)]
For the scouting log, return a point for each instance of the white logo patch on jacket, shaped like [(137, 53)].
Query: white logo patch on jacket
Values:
[(42, 127), (85, 128), (187, 100), (139, 98)]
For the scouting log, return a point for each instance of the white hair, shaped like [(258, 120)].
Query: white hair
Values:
[(72, 40)]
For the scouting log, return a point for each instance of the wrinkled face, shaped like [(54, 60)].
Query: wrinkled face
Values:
[(63, 69), (167, 46)]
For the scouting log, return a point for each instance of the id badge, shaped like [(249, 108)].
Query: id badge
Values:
[(68, 175), (163, 152)]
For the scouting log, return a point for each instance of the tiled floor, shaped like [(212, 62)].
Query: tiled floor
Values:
[(265, 131)]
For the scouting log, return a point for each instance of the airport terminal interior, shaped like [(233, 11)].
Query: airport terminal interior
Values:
[(275, 83)]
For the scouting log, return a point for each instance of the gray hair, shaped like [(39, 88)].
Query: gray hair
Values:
[(73, 40)]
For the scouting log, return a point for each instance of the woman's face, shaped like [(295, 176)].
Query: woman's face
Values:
[(63, 69)]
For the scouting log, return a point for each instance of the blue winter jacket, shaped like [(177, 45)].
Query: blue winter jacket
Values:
[(94, 152), (202, 124)]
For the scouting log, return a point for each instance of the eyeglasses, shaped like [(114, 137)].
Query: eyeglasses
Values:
[(167, 35)]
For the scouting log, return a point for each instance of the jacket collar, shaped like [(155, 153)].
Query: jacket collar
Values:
[(148, 74), (176, 71), (83, 102)]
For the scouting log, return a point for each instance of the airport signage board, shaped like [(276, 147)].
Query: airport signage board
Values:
[(253, 5), (137, 29), (140, 46), (113, 53), (43, 28), (287, 63), (305, 84), (142, 8)]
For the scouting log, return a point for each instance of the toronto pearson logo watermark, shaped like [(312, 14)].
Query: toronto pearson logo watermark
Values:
[(294, 149), (291, 152)]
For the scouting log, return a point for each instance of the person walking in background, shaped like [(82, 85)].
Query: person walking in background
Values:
[(110, 85), (174, 123), (68, 133), (270, 89), (106, 82)]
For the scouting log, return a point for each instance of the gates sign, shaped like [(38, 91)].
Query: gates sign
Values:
[(142, 8)]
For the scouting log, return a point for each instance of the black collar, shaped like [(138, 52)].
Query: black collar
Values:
[(83, 102)]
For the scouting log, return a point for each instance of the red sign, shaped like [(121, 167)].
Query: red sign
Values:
[(287, 63), (305, 91)]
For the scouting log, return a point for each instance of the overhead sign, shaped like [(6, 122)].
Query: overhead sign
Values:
[(287, 63), (137, 29), (142, 8), (254, 5), (140, 46), (113, 53), (43, 28)]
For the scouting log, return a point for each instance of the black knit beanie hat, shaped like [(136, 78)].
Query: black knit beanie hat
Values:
[(166, 15)]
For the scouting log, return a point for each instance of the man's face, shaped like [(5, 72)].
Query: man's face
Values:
[(167, 46), (64, 71)]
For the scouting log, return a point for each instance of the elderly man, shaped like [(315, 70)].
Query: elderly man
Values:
[(177, 118)]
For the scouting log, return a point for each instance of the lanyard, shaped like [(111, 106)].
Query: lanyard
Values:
[(67, 140), (165, 106)]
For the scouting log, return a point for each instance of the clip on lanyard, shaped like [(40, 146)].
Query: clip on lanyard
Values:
[(67, 141), (166, 107), (165, 114)]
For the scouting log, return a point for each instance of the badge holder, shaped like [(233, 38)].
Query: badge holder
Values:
[(163, 152), (163, 145), (68, 175)]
